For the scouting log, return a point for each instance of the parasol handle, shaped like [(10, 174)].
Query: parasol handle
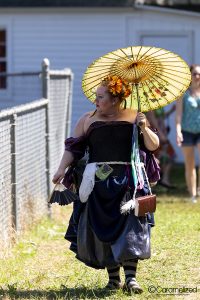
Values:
[(140, 123), (138, 101)]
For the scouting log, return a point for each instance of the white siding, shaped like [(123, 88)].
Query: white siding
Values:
[(73, 38), (69, 40), (178, 33)]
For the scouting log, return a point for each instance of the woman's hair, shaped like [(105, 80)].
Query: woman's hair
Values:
[(193, 66), (117, 87)]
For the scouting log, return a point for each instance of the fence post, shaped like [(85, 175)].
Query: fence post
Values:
[(13, 120), (45, 78), (69, 106), (45, 94)]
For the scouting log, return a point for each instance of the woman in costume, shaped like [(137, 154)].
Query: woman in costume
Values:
[(188, 129), (106, 238)]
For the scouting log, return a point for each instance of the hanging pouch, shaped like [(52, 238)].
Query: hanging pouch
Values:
[(145, 204), (103, 171)]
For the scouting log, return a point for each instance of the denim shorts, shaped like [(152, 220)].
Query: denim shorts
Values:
[(190, 139)]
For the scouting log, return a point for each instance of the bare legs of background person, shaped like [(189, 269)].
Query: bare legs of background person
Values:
[(190, 171), (166, 168), (198, 184)]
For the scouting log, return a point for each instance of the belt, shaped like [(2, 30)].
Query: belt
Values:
[(114, 162)]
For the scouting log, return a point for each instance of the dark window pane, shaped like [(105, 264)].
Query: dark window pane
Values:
[(2, 51), (2, 66), (2, 36), (3, 82)]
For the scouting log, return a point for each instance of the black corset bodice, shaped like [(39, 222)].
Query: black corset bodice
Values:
[(110, 141)]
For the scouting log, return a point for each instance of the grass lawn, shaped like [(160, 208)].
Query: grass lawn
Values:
[(40, 266)]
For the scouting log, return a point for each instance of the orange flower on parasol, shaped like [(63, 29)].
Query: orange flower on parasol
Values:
[(157, 76)]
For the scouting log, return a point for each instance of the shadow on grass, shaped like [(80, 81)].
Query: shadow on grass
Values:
[(65, 293), (177, 178)]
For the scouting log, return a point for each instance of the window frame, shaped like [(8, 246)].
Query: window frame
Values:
[(6, 94), (3, 59)]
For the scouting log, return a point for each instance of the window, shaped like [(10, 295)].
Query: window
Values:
[(3, 63)]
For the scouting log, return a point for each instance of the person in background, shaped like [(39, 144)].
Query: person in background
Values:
[(106, 238), (188, 129), (166, 153)]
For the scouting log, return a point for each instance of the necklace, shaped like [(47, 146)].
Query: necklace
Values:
[(196, 95)]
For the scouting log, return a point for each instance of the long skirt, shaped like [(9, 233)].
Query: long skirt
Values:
[(100, 235)]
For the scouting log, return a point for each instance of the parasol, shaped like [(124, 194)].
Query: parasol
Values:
[(157, 76)]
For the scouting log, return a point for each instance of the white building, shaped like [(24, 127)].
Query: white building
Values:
[(73, 37)]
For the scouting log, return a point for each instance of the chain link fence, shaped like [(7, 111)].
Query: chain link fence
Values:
[(32, 141), (60, 99)]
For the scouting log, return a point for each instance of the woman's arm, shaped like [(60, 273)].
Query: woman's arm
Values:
[(179, 112), (151, 140), (65, 162), (68, 157), (154, 123), (170, 111)]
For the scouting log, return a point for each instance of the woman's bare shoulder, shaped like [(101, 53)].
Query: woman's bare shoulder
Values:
[(131, 111), (130, 115), (81, 123)]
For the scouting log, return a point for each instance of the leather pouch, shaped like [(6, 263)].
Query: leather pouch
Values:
[(145, 204)]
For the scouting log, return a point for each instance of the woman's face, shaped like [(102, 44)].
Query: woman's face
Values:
[(196, 75), (104, 100)]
